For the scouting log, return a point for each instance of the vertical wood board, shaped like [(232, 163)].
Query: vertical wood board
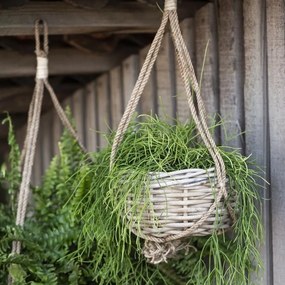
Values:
[(68, 103), (276, 97), (188, 32), (90, 117), (78, 108), (206, 31), (130, 68), (165, 66), (149, 96), (231, 71), (45, 140), (57, 129), (102, 92), (38, 163), (256, 116), (116, 93), (20, 136)]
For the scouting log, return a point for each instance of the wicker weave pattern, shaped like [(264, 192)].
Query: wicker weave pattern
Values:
[(176, 201)]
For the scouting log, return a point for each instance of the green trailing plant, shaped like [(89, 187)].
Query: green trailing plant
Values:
[(50, 230), (101, 196)]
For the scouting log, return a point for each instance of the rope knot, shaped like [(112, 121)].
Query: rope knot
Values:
[(42, 67), (170, 5), (160, 252)]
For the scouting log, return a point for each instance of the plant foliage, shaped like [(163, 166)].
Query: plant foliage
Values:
[(50, 230), (101, 196)]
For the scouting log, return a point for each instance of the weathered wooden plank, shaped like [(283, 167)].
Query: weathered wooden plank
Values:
[(116, 93), (88, 4), (206, 31), (256, 117), (134, 17), (231, 70), (37, 167), (102, 93), (14, 64), (130, 68), (188, 32), (9, 92), (68, 104), (166, 86), (45, 140), (78, 110), (90, 117), (149, 96), (20, 136), (276, 100), (57, 129)]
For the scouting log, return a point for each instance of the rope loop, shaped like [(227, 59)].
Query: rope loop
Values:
[(41, 27)]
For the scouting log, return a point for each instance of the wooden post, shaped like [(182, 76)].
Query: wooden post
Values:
[(256, 116), (206, 31), (276, 102), (91, 117), (102, 91), (166, 86), (188, 33), (231, 71)]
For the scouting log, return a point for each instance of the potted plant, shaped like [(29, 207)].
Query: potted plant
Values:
[(114, 203)]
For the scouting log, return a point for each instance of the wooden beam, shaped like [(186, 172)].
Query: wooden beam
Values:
[(66, 19), (61, 61), (8, 92), (19, 103)]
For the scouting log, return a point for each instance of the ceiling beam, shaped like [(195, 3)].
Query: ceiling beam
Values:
[(20, 104), (61, 62), (8, 92), (66, 19)]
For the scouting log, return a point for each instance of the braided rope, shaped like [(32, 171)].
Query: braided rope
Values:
[(198, 113), (34, 113), (139, 87)]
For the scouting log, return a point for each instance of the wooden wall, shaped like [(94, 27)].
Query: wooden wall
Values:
[(243, 80)]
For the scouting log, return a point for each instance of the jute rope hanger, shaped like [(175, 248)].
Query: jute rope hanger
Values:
[(198, 113), (28, 153)]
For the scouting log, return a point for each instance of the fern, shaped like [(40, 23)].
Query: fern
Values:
[(48, 237)]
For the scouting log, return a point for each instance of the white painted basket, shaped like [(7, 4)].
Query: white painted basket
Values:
[(176, 201)]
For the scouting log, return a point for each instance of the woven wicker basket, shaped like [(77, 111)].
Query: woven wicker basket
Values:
[(175, 202)]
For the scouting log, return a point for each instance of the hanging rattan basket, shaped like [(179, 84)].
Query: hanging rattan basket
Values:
[(183, 203), (175, 201)]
